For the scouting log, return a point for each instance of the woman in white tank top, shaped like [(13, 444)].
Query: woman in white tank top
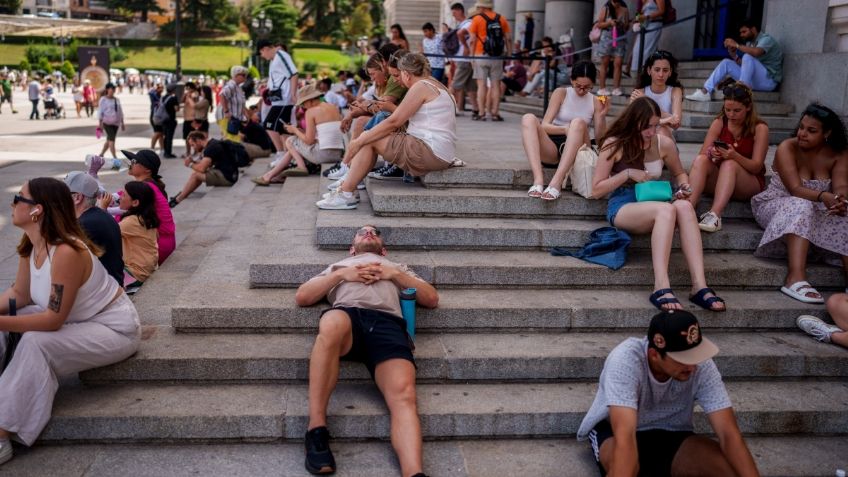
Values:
[(659, 82), (555, 140), (73, 315)]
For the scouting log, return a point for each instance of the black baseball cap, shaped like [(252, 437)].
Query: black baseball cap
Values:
[(678, 334), (263, 43), (146, 158)]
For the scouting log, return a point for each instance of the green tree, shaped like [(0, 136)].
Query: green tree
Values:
[(67, 69), (43, 64), (141, 6), (25, 66), (359, 23), (206, 15)]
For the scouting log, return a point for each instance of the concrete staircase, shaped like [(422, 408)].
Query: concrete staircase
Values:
[(508, 363), (697, 117)]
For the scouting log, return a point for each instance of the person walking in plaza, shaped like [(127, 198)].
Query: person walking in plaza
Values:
[(613, 20), (282, 91), (631, 153), (555, 140), (731, 163), (89, 95), (642, 419), (806, 202), (463, 84), (72, 315), (231, 110), (79, 99), (758, 63), (651, 19), (202, 108), (171, 104), (429, 143), (158, 137), (489, 38), (34, 92), (6, 92), (658, 81), (111, 117), (365, 324), (432, 44), (189, 99), (144, 167), (837, 333)]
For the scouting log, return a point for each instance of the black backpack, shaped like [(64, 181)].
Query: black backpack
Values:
[(237, 152), (450, 42), (494, 44)]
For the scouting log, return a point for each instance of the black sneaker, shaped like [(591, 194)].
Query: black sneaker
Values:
[(173, 202), (319, 457), (393, 173), (332, 169), (380, 170)]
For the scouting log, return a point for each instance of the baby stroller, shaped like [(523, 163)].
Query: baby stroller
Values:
[(53, 109)]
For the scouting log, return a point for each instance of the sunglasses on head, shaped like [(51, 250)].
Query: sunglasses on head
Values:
[(363, 232), (817, 112), (661, 55), (20, 198), (736, 91)]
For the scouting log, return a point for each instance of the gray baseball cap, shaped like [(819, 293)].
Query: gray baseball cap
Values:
[(82, 183)]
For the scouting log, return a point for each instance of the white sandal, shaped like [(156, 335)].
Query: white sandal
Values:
[(799, 291), (551, 191), (535, 191)]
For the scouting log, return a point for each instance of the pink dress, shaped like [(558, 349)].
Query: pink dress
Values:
[(781, 213), (167, 227)]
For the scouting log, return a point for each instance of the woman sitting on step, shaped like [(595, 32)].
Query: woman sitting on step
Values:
[(555, 140), (807, 200), (429, 143), (633, 152), (659, 82), (139, 233), (322, 142), (73, 315), (731, 162)]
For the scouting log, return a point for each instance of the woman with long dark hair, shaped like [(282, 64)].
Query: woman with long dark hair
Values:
[(139, 233), (806, 201), (73, 315), (398, 37), (659, 82), (731, 162), (633, 152)]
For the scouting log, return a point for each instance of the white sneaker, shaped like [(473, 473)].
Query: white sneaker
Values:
[(817, 328), (617, 92), (330, 194), (603, 92), (338, 184), (341, 172), (699, 95), (338, 201), (710, 222), (277, 157), (5, 450)]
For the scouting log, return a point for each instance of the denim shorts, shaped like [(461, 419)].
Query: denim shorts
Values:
[(618, 199)]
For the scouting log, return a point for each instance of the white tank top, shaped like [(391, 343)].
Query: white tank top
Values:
[(329, 135), (435, 124), (575, 106), (663, 99), (654, 168), (93, 296)]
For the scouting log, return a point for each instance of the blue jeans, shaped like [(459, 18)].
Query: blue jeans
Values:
[(376, 119), (752, 73), (34, 113), (617, 199)]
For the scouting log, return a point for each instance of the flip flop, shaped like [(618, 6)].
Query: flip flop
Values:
[(659, 302), (707, 303), (260, 181), (535, 191), (796, 291), (552, 192), (497, 117)]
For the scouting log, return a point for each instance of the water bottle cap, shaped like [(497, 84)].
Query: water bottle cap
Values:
[(407, 294)]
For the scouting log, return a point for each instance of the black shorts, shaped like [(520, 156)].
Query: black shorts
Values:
[(277, 118), (656, 447), (157, 128), (377, 337), (111, 132)]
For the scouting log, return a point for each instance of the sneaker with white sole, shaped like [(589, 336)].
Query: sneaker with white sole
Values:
[(338, 184), (275, 159), (699, 95), (393, 173), (5, 450), (331, 169), (338, 200), (330, 194), (340, 172), (817, 328), (603, 92), (378, 171), (710, 222), (617, 92)]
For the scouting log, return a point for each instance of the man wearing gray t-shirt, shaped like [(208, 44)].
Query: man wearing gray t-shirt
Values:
[(365, 324), (641, 420)]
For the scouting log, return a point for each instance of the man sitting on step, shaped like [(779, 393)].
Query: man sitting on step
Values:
[(641, 421), (365, 325), (758, 63), (218, 164)]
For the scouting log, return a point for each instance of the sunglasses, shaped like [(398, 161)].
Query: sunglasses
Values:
[(817, 112), (364, 232), (661, 55), (736, 91), (20, 198)]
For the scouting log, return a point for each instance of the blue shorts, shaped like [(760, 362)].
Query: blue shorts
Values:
[(618, 199), (376, 119)]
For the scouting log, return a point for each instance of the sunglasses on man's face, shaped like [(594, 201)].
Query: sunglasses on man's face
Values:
[(364, 232), (20, 198)]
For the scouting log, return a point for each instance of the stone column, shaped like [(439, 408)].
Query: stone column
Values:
[(506, 8), (535, 8), (562, 15)]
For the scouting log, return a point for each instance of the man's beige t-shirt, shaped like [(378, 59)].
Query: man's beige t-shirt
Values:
[(381, 296)]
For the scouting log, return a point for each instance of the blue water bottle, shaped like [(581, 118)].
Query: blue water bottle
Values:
[(407, 308)]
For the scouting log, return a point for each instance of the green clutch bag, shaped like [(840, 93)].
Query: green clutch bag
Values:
[(657, 191)]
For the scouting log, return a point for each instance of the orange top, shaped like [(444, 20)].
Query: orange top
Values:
[(478, 31)]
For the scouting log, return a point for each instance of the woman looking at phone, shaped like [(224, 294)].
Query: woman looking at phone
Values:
[(731, 164)]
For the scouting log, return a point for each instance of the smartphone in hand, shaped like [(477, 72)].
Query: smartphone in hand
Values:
[(721, 144)]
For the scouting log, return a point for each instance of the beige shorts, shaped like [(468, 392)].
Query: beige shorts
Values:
[(254, 151), (412, 155), (314, 154), (463, 79), (492, 69), (215, 177)]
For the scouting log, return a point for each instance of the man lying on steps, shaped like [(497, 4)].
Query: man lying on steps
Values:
[(365, 325)]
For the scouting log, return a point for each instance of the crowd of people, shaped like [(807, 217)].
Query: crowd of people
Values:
[(83, 249)]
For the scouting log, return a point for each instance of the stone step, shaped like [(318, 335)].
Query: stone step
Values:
[(335, 228), (703, 121), (695, 65), (518, 108), (714, 107), (798, 456), (689, 85), (133, 413), (486, 269), (463, 357), (696, 135), (695, 72), (222, 306), (394, 198)]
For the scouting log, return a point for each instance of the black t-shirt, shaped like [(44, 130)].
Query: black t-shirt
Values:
[(222, 159), (171, 103), (254, 133), (103, 230)]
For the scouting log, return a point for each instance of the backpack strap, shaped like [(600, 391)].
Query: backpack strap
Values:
[(288, 68)]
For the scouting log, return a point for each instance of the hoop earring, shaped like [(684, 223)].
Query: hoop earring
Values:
[(34, 218)]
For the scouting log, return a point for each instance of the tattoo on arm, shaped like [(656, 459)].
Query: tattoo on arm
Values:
[(55, 302)]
